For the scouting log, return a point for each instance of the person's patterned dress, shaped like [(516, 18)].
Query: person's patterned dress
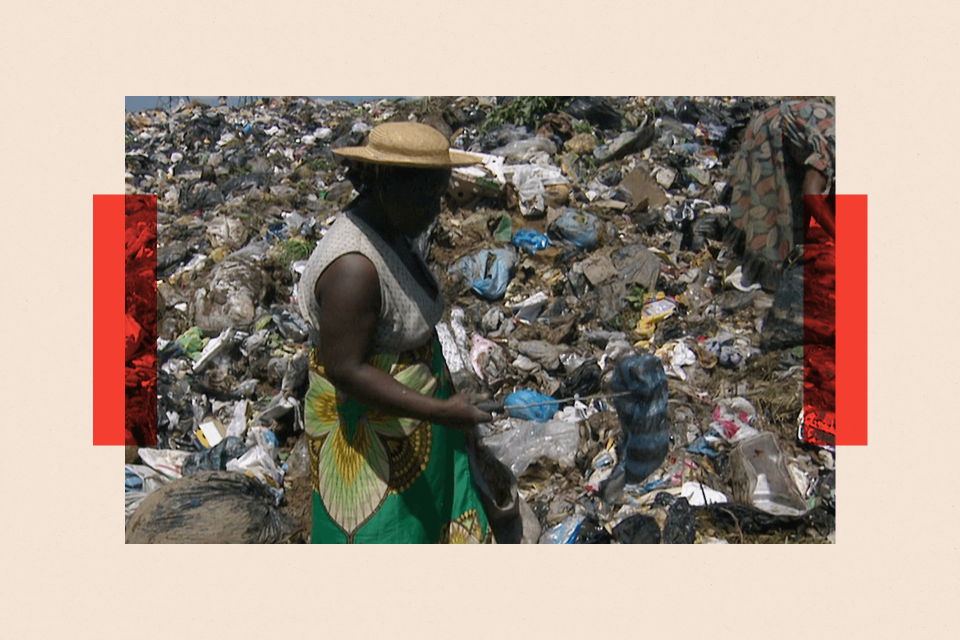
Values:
[(379, 478), (766, 207)]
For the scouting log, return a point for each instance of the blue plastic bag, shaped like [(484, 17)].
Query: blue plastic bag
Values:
[(579, 228), (132, 481), (564, 532), (530, 240), (488, 272), (517, 404)]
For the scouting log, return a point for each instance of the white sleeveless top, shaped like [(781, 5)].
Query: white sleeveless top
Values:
[(408, 312)]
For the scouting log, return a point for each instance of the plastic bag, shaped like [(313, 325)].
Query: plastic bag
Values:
[(140, 477), (526, 441), (530, 240), (489, 271), (595, 110), (259, 460), (517, 404), (169, 462), (733, 419), (139, 482), (564, 532), (526, 150), (580, 228), (761, 478), (642, 413), (192, 342), (216, 457), (531, 181)]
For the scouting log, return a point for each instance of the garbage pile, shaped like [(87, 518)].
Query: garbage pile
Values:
[(140, 322), (588, 238)]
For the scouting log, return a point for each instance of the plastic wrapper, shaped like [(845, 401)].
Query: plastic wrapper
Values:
[(733, 419)]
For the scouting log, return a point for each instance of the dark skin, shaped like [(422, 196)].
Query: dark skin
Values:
[(813, 185), (348, 293)]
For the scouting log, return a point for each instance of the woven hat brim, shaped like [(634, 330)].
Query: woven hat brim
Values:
[(365, 154)]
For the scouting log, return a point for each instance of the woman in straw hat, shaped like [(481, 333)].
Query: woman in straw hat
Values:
[(387, 445)]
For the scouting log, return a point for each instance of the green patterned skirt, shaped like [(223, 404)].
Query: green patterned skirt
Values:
[(378, 478)]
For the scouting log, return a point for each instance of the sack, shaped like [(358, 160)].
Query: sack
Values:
[(213, 507), (512, 520)]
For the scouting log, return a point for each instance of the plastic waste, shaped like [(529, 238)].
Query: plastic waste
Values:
[(524, 442), (291, 325), (596, 111), (542, 352), (642, 414), (585, 380), (698, 495), (487, 358), (733, 419), (141, 478), (761, 478), (215, 348), (579, 228), (230, 295), (215, 458), (504, 230), (637, 529), (656, 308), (531, 182), (260, 459), (627, 142), (192, 342), (168, 462), (488, 272), (526, 150), (530, 309), (530, 405), (565, 532), (530, 241)]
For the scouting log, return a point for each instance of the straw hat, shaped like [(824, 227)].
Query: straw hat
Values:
[(408, 144)]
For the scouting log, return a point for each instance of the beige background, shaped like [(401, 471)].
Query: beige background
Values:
[(66, 68)]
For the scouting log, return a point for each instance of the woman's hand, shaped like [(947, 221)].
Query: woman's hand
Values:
[(462, 413), (349, 297), (816, 203)]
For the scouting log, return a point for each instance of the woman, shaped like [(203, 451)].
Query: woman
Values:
[(387, 445), (786, 159)]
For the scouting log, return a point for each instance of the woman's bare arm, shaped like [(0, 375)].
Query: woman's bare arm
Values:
[(348, 293)]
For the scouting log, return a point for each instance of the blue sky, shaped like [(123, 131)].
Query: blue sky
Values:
[(138, 103)]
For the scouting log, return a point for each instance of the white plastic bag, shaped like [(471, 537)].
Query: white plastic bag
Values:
[(260, 459), (526, 441)]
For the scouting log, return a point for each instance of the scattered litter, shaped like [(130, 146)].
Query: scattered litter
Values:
[(650, 395)]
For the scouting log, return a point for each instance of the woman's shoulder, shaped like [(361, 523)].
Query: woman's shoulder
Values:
[(344, 236)]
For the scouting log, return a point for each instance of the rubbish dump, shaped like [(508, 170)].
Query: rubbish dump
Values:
[(648, 394)]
